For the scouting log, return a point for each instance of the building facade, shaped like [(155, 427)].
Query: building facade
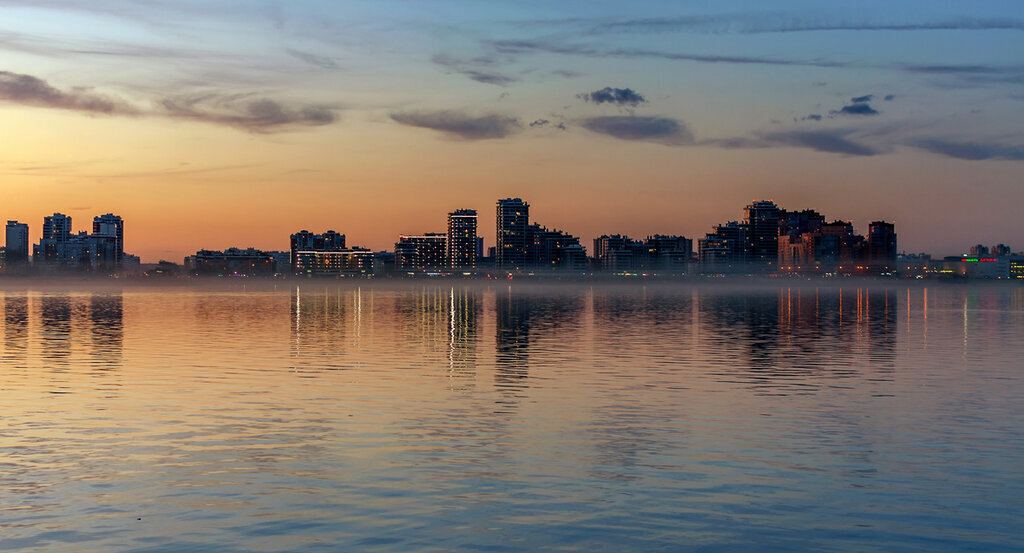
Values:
[(17, 249), (422, 253), (462, 240), (513, 240)]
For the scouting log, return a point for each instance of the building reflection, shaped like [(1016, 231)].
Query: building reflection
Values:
[(106, 314), (523, 319), (319, 325), (790, 340), (16, 318), (463, 330), (55, 324)]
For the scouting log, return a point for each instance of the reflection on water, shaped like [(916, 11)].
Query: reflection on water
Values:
[(106, 312), (457, 417)]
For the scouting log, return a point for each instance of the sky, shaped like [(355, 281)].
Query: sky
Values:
[(212, 124)]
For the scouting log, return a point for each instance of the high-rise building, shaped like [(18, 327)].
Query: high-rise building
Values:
[(617, 253), (111, 227), (725, 248), (762, 219), (979, 251), (306, 241), (554, 250), (462, 239), (513, 240), (425, 252), (52, 247), (17, 243), (668, 253), (881, 247), (60, 250)]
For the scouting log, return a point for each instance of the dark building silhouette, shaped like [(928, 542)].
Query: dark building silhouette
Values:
[(658, 253), (726, 248), (762, 220), (17, 244), (463, 242), (521, 245), (425, 252), (60, 250), (513, 221), (109, 229), (881, 247), (232, 262), (304, 240)]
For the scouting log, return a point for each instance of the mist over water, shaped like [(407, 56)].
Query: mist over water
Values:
[(269, 416)]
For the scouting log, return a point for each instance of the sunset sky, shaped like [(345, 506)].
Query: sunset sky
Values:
[(214, 124)]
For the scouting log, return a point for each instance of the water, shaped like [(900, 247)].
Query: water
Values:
[(467, 418)]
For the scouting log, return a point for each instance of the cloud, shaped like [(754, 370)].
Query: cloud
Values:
[(511, 47), (862, 108), (323, 62), (830, 141), (33, 91), (653, 129), (246, 112), (809, 117), (862, 99), (834, 141), (889, 97), (481, 69), (237, 110), (784, 22), (972, 151), (460, 125), (616, 96), (539, 123)]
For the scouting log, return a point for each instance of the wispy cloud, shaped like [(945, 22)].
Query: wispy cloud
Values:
[(786, 22), (459, 125), (662, 130), (834, 141), (244, 111), (512, 47), (482, 69), (972, 151), (33, 91), (247, 112), (323, 62)]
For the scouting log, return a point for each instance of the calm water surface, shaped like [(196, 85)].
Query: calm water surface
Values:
[(474, 418)]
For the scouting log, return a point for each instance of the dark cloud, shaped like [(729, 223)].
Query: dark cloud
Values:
[(616, 96), (28, 90), (834, 141), (539, 123), (565, 73), (238, 110), (830, 141), (653, 129), (244, 111), (313, 59), (512, 47), (460, 125), (784, 22), (972, 151), (481, 69), (889, 97), (960, 76), (811, 117), (862, 108), (862, 99)]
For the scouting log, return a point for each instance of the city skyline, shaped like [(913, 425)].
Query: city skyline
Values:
[(195, 120)]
